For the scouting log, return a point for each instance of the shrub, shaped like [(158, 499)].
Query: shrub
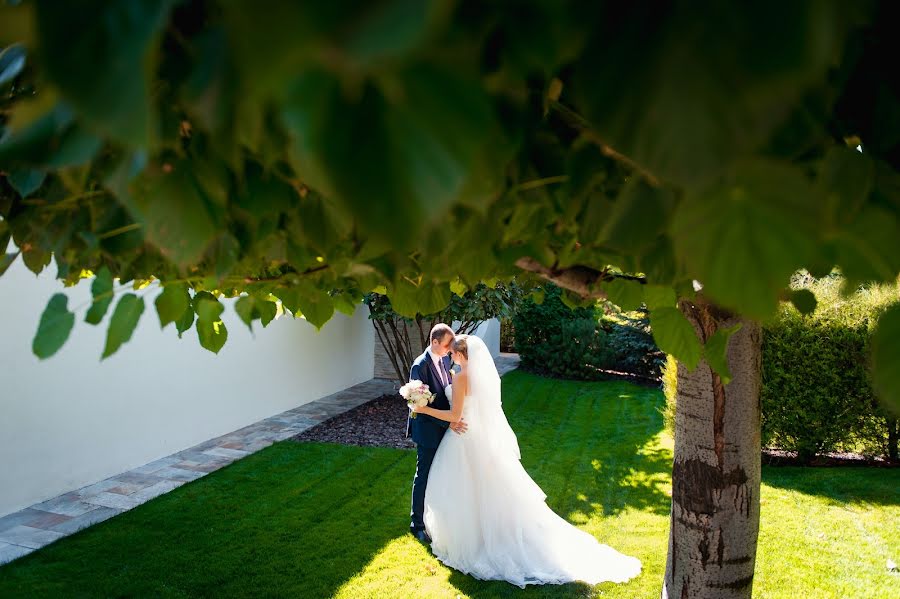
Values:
[(557, 340), (631, 343), (507, 335), (578, 343), (816, 396), (669, 387)]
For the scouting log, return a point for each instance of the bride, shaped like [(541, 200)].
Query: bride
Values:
[(485, 515)]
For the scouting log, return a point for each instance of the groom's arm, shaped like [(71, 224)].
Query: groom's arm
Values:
[(415, 374)]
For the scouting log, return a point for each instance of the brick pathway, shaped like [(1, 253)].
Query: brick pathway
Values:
[(33, 527)]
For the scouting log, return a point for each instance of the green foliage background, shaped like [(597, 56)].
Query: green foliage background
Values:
[(816, 393)]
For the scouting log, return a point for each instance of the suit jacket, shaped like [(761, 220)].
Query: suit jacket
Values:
[(427, 431)]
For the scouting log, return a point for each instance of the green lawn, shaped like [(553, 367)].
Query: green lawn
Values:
[(319, 520)]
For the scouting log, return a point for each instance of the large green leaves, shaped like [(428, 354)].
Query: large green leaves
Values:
[(251, 307), (56, 324), (625, 293), (210, 329), (419, 147), (674, 335), (26, 181), (123, 322), (683, 96), (886, 358), (743, 236), (102, 296), (636, 219), (172, 304), (98, 53), (409, 299), (165, 200)]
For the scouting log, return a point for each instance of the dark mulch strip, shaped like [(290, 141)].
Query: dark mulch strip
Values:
[(380, 422), (779, 457)]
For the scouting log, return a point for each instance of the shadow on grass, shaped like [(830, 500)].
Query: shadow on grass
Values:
[(293, 520), (858, 485), (595, 448)]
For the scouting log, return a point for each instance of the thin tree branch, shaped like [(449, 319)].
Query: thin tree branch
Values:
[(578, 122)]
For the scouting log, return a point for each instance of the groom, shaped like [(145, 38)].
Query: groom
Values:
[(433, 369)]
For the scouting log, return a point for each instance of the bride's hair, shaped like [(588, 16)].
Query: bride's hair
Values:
[(461, 345)]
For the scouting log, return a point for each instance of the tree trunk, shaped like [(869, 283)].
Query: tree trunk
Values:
[(716, 471)]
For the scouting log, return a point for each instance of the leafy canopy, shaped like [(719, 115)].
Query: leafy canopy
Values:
[(304, 154)]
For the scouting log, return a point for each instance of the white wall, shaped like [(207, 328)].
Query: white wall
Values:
[(72, 420), (489, 331)]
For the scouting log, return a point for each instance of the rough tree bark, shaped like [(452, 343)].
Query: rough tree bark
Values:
[(716, 471)]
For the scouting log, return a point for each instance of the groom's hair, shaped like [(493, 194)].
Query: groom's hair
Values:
[(439, 331)]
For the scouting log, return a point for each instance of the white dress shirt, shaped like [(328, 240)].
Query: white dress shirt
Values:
[(440, 367)]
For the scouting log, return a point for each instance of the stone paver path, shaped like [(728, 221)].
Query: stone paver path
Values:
[(33, 527), (26, 530)]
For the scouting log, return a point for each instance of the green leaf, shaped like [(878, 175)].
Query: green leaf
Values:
[(425, 298), (804, 300), (390, 30), (742, 238), (845, 180), (36, 260), (31, 143), (637, 219), (537, 296), (54, 328), (458, 287), (866, 249), (251, 308), (26, 181), (244, 307), (716, 352), (165, 200), (315, 305), (415, 159), (104, 70), (124, 319), (683, 96), (6, 261), (625, 293), (886, 358), (184, 323), (674, 335), (210, 329), (12, 61), (346, 303), (659, 296), (172, 304), (102, 294)]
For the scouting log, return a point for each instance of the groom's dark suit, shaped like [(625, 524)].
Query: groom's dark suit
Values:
[(427, 431)]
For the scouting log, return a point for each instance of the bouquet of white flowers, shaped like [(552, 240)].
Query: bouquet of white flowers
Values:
[(416, 393)]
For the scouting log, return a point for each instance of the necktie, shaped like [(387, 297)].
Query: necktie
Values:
[(440, 369)]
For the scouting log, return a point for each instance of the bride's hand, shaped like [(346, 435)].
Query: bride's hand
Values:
[(419, 409)]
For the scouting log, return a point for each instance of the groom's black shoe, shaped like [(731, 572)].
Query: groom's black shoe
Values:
[(421, 535)]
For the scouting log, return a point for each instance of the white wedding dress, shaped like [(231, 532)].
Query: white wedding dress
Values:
[(488, 518)]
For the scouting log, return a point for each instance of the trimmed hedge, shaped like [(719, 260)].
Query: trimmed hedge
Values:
[(816, 396)]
